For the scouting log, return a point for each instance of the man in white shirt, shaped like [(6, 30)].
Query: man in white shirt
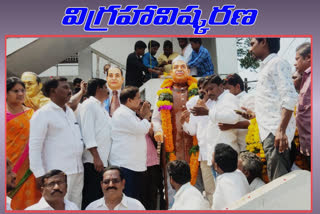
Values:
[(187, 197), (186, 52), (53, 190), (275, 99), (251, 166), (129, 146), (221, 111), (95, 124), (196, 126), (234, 84), (11, 183), (231, 183), (114, 82), (112, 185), (55, 139)]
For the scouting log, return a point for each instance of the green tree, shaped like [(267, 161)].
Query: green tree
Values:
[(244, 57)]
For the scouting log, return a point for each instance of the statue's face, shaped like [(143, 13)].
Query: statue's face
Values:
[(114, 79), (180, 71), (32, 86)]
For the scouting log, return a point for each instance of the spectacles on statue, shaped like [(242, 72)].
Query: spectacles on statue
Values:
[(114, 181)]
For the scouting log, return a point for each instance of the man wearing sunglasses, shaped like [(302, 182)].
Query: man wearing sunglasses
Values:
[(112, 185)]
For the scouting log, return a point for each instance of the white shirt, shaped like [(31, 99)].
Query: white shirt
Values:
[(55, 141), (43, 205), (222, 111), (230, 187), (256, 183), (126, 203), (247, 101), (189, 198), (197, 126), (95, 124), (129, 145), (8, 203), (187, 54), (274, 91)]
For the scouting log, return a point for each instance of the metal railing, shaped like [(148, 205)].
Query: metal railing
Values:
[(109, 60)]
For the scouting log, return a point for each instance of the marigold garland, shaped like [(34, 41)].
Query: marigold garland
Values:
[(254, 145), (165, 106), (194, 163)]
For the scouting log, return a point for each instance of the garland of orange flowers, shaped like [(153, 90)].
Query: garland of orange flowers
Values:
[(165, 103)]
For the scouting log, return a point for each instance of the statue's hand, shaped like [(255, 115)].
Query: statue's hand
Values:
[(158, 136)]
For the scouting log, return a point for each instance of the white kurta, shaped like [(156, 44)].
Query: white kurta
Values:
[(189, 198), (230, 187)]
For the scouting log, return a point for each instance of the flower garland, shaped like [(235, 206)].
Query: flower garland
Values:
[(254, 145), (165, 103)]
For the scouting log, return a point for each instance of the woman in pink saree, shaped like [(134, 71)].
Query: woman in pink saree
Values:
[(17, 145)]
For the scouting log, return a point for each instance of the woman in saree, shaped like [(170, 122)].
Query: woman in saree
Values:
[(17, 146)]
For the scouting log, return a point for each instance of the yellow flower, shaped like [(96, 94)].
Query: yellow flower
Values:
[(165, 102), (192, 86), (164, 90)]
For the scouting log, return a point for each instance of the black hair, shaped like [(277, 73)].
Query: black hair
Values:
[(251, 163), (140, 44), (114, 168), (196, 40), (201, 81), (273, 44), (153, 43), (179, 170), (226, 157), (128, 92), (117, 68), (52, 84), (93, 85), (183, 39), (234, 79), (167, 44), (52, 173), (12, 81), (213, 79), (304, 49), (76, 81)]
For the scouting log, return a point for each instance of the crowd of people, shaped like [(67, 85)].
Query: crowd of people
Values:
[(100, 147), (143, 66)]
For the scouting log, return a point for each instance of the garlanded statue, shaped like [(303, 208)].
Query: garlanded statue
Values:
[(172, 99), (34, 97)]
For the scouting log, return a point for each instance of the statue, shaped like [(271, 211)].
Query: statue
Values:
[(173, 95), (114, 82), (34, 97)]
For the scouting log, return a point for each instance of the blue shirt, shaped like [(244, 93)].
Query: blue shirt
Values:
[(150, 62), (202, 61)]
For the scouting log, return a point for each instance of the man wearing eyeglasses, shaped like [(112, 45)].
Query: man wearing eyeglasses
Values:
[(53, 190), (112, 185)]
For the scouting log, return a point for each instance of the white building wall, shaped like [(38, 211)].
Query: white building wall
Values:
[(226, 52)]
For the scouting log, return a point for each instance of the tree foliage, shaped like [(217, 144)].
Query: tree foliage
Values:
[(244, 57)]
